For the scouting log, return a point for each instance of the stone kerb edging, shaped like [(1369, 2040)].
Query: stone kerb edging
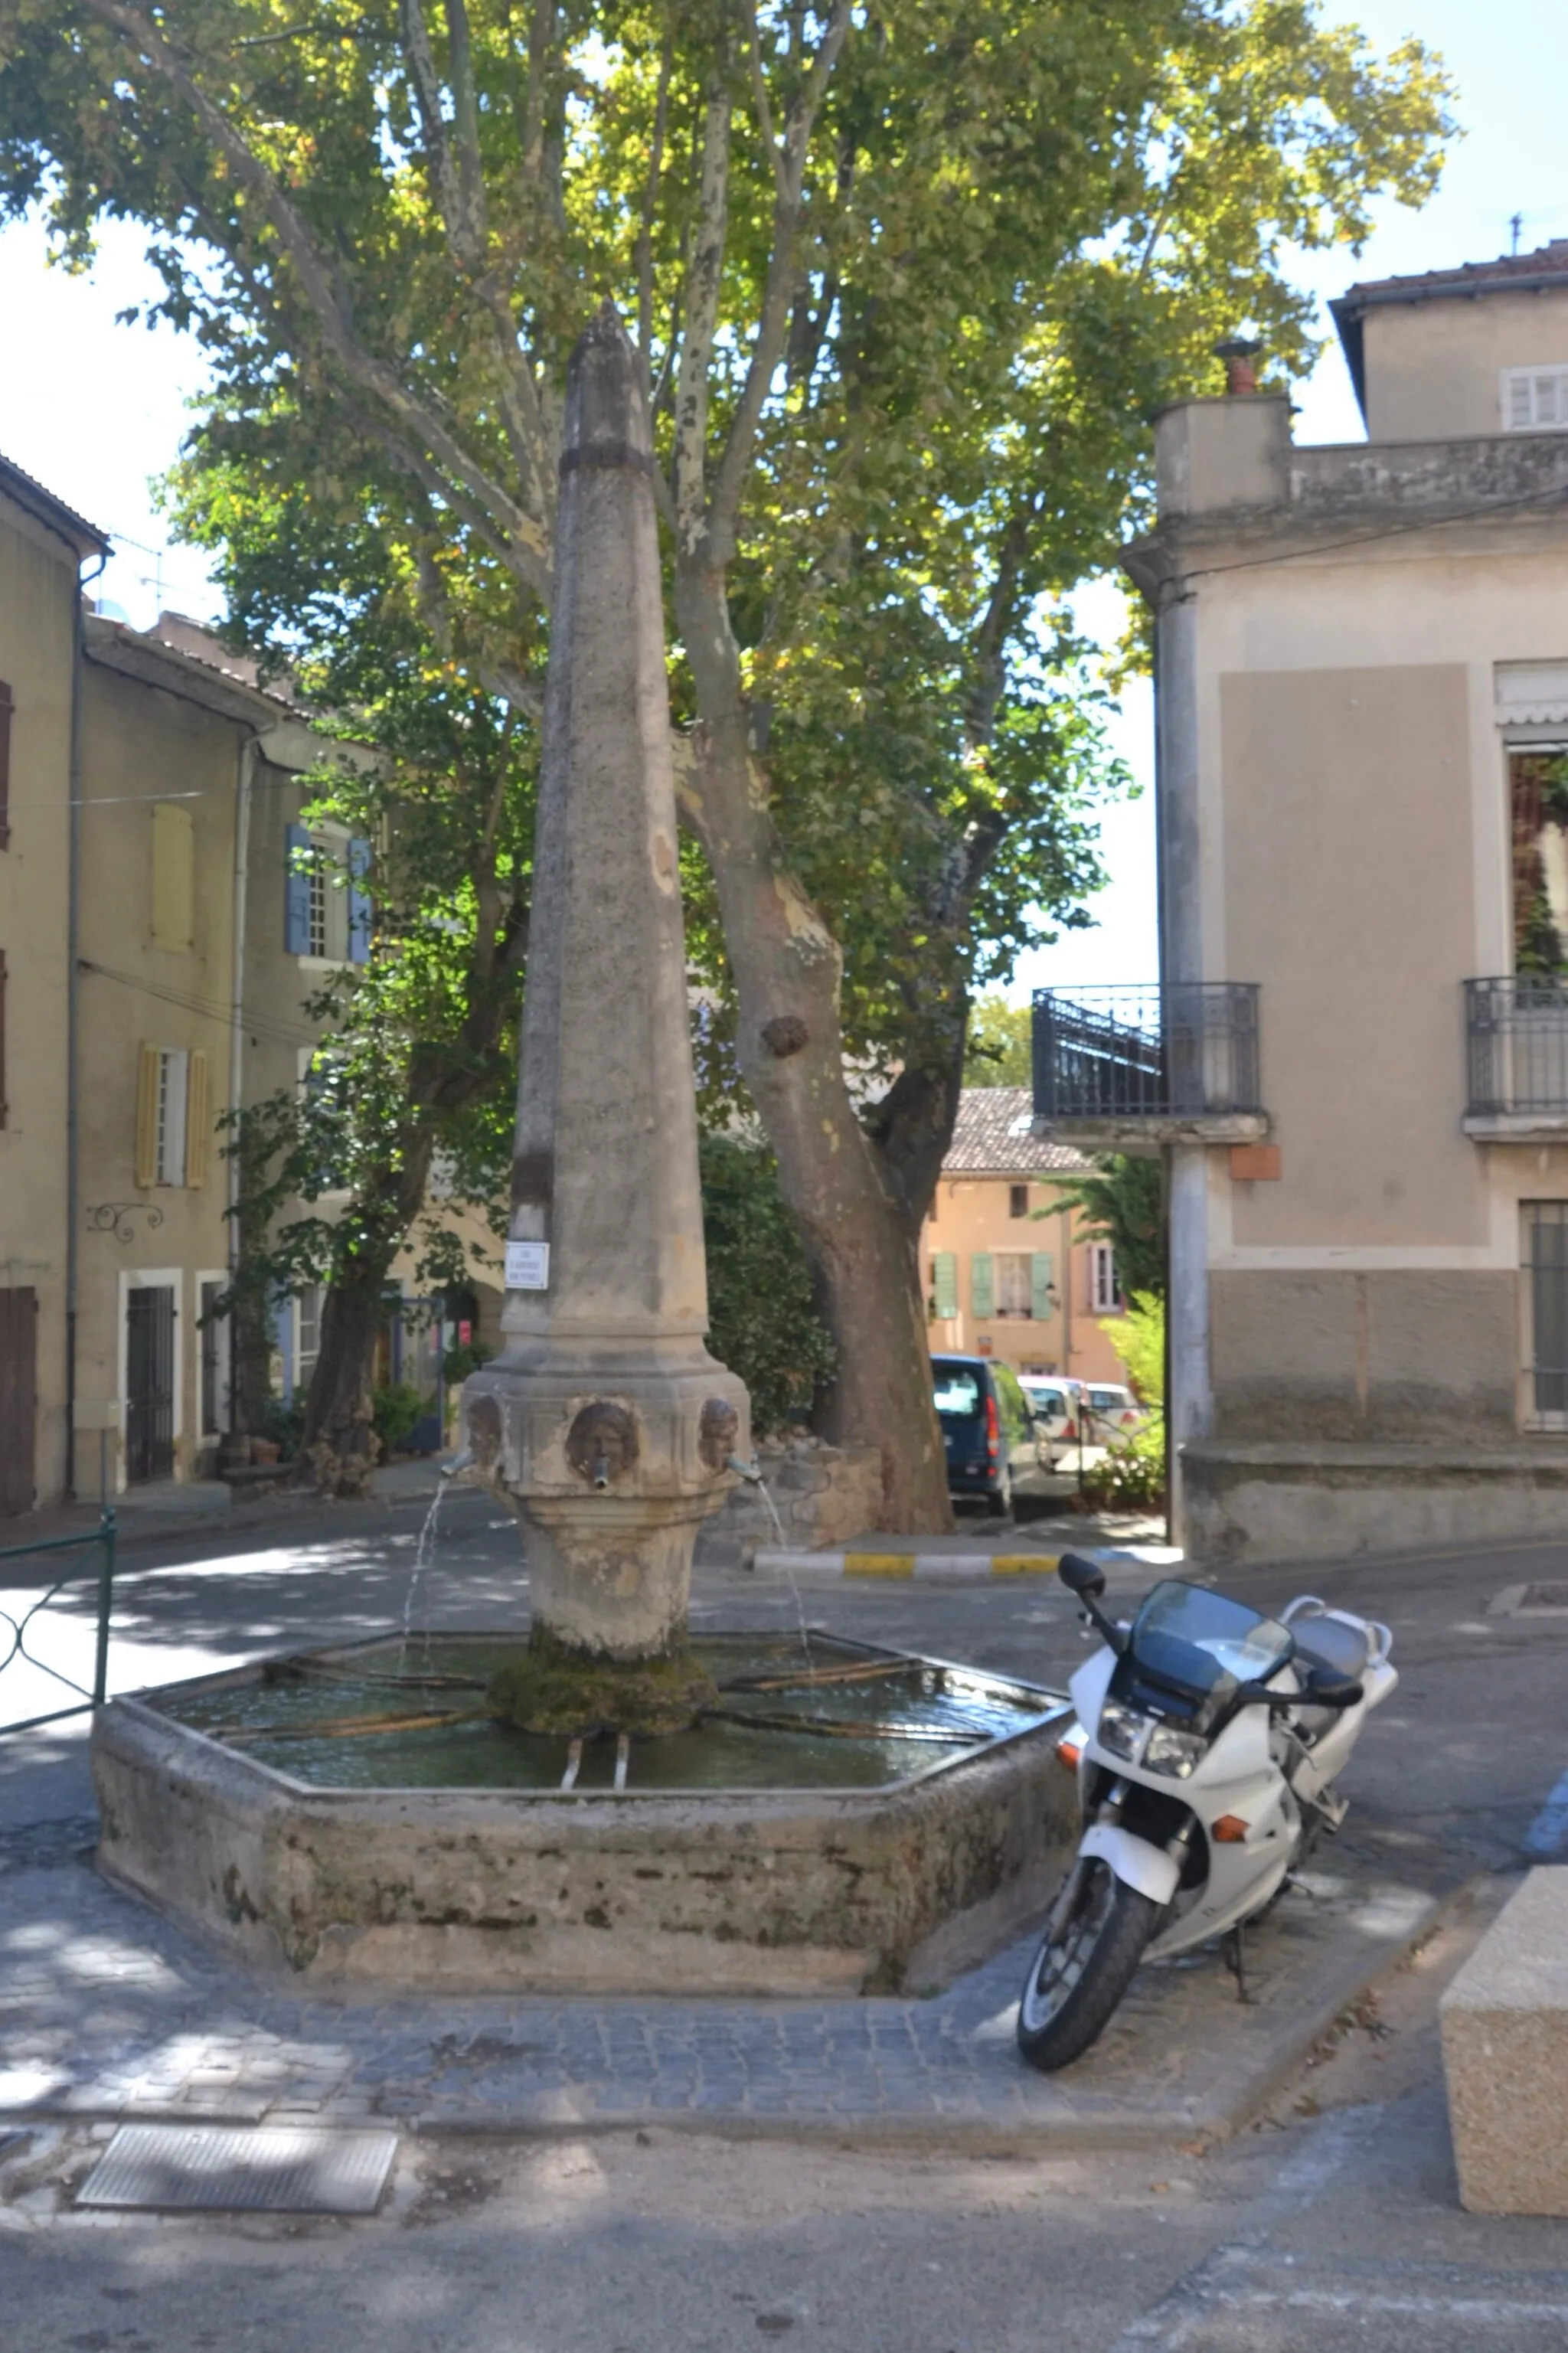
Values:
[(1504, 2025), (960, 1565)]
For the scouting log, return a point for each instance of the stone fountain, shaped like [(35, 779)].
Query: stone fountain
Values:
[(610, 1804)]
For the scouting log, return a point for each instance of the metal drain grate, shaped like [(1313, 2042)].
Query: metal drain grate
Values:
[(242, 2170)]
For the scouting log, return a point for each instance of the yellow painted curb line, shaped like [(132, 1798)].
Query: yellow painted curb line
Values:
[(878, 1564), (910, 1565)]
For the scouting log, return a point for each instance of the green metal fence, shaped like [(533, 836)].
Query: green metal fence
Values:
[(98, 1565)]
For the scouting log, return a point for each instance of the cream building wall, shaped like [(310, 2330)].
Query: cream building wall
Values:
[(42, 546), (1342, 654)]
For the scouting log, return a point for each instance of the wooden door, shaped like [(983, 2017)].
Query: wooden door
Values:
[(18, 1397), (150, 1382)]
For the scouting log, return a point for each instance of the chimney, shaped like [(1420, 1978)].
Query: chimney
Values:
[(1238, 353)]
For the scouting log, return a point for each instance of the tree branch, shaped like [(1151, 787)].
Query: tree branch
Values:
[(523, 538), (650, 199), (703, 285), (784, 273)]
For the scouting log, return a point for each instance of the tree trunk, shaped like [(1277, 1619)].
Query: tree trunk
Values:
[(339, 1448), (859, 1235)]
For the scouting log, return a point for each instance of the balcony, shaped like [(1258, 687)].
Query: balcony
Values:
[(1516, 1035), (1125, 1068)]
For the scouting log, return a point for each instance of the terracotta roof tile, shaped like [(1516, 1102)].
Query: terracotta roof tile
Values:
[(1480, 277), (992, 1137)]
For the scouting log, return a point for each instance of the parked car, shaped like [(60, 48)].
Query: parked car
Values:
[(995, 1449), (1114, 1412), (1058, 1404)]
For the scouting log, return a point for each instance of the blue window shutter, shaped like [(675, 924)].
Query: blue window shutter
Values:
[(981, 1287), (358, 902), (297, 891), (1040, 1302)]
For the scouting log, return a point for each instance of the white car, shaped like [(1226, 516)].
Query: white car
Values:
[(1057, 1404), (1114, 1413)]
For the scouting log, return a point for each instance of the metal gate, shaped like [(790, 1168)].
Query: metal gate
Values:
[(18, 1397), (150, 1382)]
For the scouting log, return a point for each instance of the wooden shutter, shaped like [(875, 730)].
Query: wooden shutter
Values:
[(297, 856), (7, 707), (148, 1068), (982, 1283), (1040, 1301), (198, 1119), (944, 1283), (358, 902)]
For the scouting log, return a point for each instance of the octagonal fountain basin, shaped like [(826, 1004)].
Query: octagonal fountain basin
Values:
[(851, 1820)]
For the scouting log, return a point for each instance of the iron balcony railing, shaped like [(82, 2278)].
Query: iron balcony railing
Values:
[(1188, 1051), (1517, 1039)]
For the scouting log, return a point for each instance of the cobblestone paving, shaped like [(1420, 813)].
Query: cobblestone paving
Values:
[(106, 2011)]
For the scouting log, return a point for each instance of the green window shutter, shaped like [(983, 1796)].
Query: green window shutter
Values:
[(1040, 1301), (944, 1284), (982, 1286)]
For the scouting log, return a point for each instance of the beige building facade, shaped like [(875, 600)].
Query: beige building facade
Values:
[(1008, 1268), (1357, 1055), (151, 983)]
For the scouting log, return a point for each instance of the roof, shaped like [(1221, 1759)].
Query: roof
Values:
[(155, 661), (993, 1136), (21, 486), (1542, 272)]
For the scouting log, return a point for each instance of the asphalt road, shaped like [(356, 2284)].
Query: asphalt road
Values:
[(1333, 2224)]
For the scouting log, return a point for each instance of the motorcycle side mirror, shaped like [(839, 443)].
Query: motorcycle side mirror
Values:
[(1325, 1688), (1084, 1578)]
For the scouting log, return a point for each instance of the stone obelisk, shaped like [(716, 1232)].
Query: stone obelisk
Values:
[(605, 1422)]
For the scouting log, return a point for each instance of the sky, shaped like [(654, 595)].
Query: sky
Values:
[(100, 411)]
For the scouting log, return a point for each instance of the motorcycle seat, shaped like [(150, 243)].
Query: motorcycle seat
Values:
[(1334, 1643)]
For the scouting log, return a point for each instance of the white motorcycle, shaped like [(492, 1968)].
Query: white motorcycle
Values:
[(1206, 1747)]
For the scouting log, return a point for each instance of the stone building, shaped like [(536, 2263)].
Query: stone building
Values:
[(1008, 1268), (1356, 1053)]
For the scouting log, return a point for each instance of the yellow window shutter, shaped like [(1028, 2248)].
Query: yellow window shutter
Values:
[(147, 1116), (198, 1119), (174, 876)]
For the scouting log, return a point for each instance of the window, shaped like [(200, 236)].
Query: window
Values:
[(174, 876), (1546, 1313), (956, 1392), (1535, 399), (307, 1335), (212, 1338), (173, 1116), (1537, 792), (1104, 1290), (7, 707), (1017, 1200), (326, 913), (1014, 1290)]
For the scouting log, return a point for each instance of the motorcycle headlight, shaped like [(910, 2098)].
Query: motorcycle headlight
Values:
[(1172, 1752), (1121, 1730)]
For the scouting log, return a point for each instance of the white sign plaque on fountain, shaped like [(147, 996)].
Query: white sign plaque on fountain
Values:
[(527, 1266)]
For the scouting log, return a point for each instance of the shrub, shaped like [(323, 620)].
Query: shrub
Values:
[(1132, 1475), (393, 1412), (764, 1320)]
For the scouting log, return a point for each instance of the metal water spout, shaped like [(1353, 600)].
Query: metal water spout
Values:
[(459, 1461), (750, 1472)]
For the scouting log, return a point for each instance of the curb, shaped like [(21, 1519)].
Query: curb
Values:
[(967, 1567)]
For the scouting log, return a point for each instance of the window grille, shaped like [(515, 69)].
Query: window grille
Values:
[(1014, 1287)]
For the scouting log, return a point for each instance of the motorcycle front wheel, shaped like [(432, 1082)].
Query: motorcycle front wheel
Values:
[(1083, 1965)]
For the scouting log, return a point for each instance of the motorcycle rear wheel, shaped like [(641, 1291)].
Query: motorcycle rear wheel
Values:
[(1082, 1968)]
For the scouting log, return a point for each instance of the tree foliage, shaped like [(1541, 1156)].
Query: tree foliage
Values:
[(998, 1050), (909, 278), (1125, 1202), (764, 1322)]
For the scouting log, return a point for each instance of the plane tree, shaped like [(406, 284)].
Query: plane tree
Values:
[(907, 278)]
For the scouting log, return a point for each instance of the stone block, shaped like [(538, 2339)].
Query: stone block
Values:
[(1505, 2056)]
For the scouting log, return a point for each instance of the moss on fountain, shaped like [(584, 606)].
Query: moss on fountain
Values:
[(549, 1688)]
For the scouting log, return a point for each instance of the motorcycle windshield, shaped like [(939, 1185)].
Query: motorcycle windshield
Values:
[(1206, 1644)]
